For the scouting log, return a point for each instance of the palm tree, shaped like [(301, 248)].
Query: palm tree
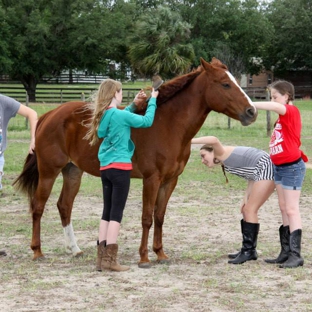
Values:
[(159, 44)]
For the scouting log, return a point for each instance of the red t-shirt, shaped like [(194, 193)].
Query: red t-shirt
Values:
[(285, 140)]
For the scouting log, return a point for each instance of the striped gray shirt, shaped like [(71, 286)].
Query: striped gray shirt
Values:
[(249, 163)]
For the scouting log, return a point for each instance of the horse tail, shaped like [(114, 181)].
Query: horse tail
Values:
[(27, 181)]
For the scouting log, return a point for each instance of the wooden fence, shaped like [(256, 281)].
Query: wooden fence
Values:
[(64, 93), (60, 94)]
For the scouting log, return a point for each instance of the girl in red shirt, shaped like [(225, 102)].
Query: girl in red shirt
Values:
[(289, 170)]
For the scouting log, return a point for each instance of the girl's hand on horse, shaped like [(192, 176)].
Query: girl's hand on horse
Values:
[(141, 96), (154, 93), (140, 100)]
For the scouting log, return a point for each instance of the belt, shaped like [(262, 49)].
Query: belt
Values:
[(290, 163)]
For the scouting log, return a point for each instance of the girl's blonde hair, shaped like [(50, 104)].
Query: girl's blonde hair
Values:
[(101, 100)]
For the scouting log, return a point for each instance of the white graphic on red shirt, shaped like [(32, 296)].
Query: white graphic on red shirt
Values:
[(276, 140)]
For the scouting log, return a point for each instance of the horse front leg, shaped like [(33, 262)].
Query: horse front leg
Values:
[(163, 197), (150, 190), (71, 184)]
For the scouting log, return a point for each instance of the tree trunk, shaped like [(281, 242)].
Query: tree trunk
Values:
[(30, 84)]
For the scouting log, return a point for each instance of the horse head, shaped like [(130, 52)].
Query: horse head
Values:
[(223, 93)]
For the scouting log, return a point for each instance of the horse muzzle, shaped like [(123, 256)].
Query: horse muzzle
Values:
[(249, 116)]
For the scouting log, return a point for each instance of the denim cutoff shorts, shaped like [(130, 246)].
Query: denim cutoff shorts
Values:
[(290, 176), (1, 161)]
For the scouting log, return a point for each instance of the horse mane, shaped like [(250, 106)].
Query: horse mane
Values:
[(171, 87)]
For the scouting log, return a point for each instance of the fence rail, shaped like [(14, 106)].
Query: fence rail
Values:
[(64, 94), (60, 94)]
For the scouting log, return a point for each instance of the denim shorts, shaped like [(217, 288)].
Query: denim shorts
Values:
[(290, 176), (1, 162)]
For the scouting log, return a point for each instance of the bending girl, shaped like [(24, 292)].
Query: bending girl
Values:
[(255, 166)]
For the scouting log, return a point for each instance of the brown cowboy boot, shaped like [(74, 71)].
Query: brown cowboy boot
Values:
[(109, 259), (100, 250)]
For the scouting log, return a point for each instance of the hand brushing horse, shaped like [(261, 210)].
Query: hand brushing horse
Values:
[(161, 154)]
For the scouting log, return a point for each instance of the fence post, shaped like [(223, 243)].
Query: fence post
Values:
[(82, 96), (268, 114), (61, 96)]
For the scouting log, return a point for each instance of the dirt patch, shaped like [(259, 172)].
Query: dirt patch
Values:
[(197, 238)]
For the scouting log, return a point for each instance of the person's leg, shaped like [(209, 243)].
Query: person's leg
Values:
[(259, 194), (2, 252), (1, 168), (282, 203), (292, 209), (107, 205), (101, 242), (121, 186), (292, 180), (121, 183)]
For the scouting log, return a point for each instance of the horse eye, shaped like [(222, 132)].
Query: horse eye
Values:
[(226, 85)]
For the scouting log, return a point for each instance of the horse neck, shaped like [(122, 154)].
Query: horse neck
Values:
[(187, 112)]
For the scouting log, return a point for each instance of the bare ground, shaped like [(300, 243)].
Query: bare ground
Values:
[(197, 237)]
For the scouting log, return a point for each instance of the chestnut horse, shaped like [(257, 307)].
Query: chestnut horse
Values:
[(161, 154)]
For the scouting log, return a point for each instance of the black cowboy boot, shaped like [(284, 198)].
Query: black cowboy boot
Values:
[(294, 259), (234, 255), (284, 239), (248, 251)]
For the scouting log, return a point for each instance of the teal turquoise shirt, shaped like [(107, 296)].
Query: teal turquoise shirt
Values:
[(115, 129)]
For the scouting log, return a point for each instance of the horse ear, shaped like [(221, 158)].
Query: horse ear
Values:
[(218, 63), (205, 64)]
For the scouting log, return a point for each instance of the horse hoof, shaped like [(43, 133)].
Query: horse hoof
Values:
[(78, 254), (144, 265), (163, 261), (39, 258)]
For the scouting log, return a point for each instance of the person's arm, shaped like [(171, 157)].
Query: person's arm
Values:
[(210, 140), (32, 116), (139, 102), (271, 106), (145, 121)]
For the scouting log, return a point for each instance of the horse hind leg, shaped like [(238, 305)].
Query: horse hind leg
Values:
[(37, 205), (71, 184)]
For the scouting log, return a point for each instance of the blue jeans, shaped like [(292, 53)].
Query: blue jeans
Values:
[(1, 168), (290, 176)]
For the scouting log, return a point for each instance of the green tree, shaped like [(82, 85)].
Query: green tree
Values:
[(240, 27), (291, 47), (5, 62), (47, 37), (159, 44)]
